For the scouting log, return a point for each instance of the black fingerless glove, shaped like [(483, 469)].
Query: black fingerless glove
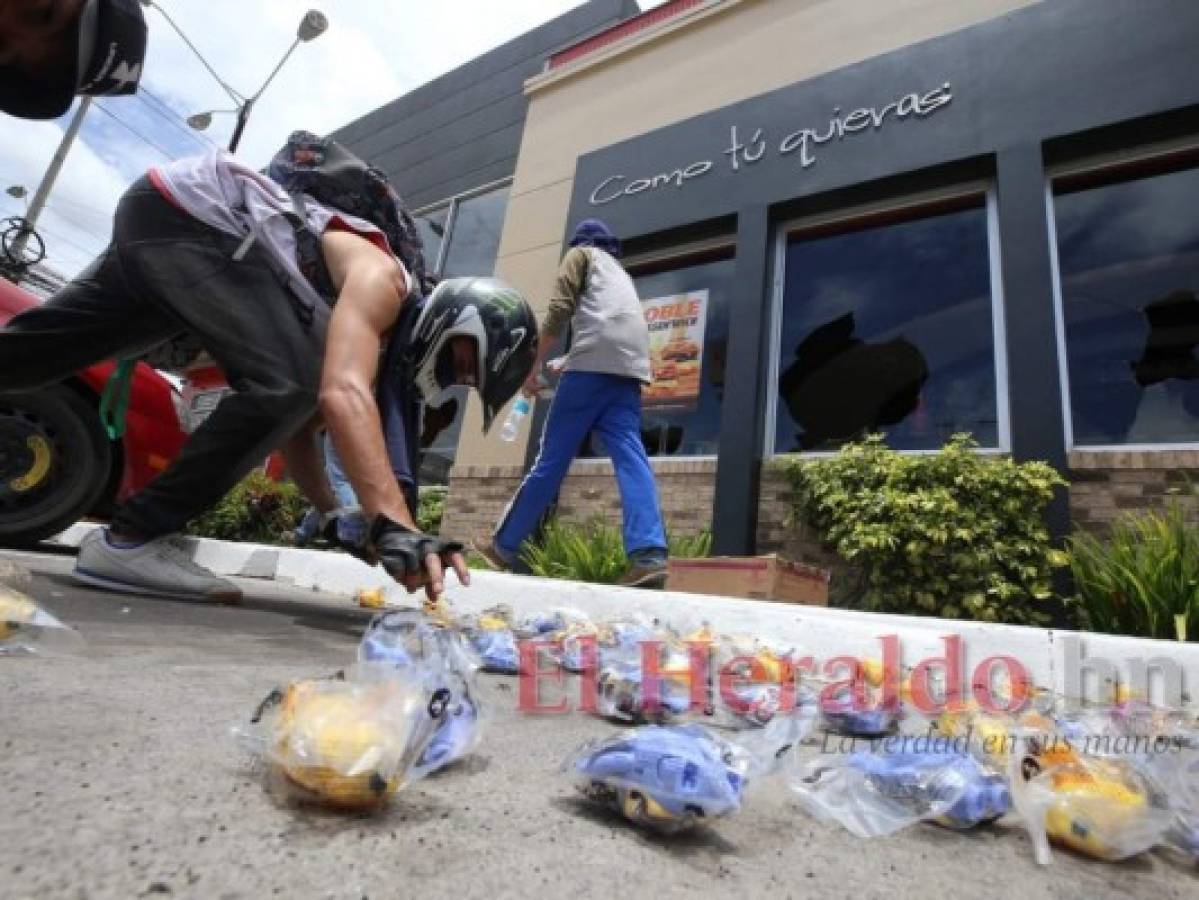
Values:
[(402, 551), (346, 529)]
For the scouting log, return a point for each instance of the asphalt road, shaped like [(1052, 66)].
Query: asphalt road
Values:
[(120, 779)]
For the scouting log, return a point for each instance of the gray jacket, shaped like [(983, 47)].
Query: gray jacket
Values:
[(597, 295)]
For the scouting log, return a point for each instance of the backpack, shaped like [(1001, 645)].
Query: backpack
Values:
[(330, 174)]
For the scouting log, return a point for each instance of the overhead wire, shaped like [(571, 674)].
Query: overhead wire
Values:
[(89, 253), (160, 107), (237, 98), (79, 207), (104, 109)]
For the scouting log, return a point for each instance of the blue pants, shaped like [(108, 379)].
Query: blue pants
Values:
[(338, 480), (610, 405)]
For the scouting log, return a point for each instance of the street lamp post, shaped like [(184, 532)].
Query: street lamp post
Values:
[(243, 114), (312, 26)]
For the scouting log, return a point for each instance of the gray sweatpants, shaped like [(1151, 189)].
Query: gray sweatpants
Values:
[(164, 273)]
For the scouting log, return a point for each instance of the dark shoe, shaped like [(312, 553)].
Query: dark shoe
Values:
[(483, 544), (648, 576)]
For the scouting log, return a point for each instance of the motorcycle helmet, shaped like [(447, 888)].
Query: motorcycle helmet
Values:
[(502, 324)]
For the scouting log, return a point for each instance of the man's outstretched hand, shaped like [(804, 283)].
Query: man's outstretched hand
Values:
[(415, 559)]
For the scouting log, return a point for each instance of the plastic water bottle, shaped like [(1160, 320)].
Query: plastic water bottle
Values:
[(519, 410)]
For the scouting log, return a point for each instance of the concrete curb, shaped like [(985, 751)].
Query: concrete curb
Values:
[(1049, 656)]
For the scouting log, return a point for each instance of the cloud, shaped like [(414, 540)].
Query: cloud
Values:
[(78, 218)]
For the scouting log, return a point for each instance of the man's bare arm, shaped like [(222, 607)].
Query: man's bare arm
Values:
[(371, 288)]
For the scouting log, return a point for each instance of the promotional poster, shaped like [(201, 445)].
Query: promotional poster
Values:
[(676, 346)]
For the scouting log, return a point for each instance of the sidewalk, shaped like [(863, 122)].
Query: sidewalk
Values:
[(824, 633)]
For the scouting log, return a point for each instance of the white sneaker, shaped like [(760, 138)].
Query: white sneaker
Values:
[(159, 567)]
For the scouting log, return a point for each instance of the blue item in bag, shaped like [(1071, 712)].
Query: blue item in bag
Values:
[(402, 640), (664, 777), (455, 738), (905, 774), (497, 650), (843, 716)]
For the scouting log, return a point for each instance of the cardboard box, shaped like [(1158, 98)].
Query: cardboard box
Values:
[(756, 577)]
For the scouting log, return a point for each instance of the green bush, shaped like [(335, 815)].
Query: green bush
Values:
[(1143, 579), (594, 552), (263, 511), (690, 546), (431, 508), (955, 533), (257, 509)]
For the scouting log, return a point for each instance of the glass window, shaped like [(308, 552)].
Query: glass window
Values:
[(888, 328), (688, 313), (431, 225), (475, 234), (1128, 255)]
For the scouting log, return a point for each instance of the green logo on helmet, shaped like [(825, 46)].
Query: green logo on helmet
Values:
[(507, 300)]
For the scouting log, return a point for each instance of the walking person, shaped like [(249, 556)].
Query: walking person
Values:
[(600, 390)]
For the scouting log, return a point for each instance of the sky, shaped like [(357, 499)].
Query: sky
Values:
[(373, 52)]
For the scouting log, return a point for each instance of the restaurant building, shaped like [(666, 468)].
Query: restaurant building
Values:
[(919, 217)]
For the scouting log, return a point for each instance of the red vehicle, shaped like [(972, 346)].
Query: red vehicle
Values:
[(57, 464)]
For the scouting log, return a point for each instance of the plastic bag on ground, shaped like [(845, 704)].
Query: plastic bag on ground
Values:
[(875, 794), (866, 716), (1098, 807), (26, 628), (574, 641), (751, 682), (990, 737), (564, 633), (348, 744), (497, 650), (493, 640), (666, 778), (552, 624), (622, 690), (1173, 775), (622, 695), (403, 639), (618, 636), (1137, 718)]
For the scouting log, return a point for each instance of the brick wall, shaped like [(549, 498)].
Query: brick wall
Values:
[(479, 494), (797, 541), (477, 497), (1103, 485)]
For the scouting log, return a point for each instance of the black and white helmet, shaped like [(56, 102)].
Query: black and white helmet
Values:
[(500, 320)]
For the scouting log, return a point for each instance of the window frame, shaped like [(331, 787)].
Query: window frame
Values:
[(1090, 173), (448, 205), (873, 215), (451, 218)]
